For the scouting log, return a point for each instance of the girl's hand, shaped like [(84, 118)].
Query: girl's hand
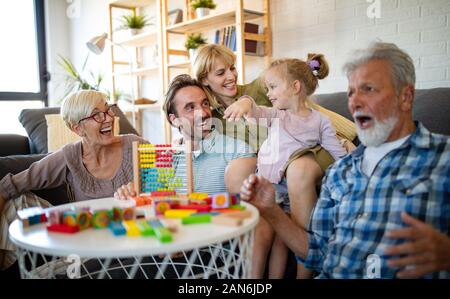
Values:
[(238, 109), (125, 192)]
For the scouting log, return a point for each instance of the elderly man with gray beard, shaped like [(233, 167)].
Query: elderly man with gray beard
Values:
[(384, 210)]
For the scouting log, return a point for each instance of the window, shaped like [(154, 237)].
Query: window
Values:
[(23, 74), (22, 54)]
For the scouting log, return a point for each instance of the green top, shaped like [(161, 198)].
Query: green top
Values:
[(252, 134)]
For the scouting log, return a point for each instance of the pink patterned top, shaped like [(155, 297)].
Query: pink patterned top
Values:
[(288, 133)]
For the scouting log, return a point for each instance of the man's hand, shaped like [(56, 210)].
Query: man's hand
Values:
[(125, 192), (238, 109), (259, 192), (426, 251)]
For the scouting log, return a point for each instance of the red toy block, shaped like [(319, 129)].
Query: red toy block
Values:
[(163, 193), (198, 207), (62, 228)]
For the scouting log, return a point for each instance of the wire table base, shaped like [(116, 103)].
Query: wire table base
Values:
[(230, 259)]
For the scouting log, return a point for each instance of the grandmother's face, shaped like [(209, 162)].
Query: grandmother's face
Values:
[(97, 128)]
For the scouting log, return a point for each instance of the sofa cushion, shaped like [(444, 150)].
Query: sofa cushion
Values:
[(432, 108), (13, 144), (33, 120), (18, 163)]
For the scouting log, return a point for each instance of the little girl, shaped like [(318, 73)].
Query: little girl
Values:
[(295, 130)]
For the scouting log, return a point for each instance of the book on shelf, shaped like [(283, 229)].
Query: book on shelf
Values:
[(227, 37)]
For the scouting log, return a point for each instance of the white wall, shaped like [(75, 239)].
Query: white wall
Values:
[(57, 43), (335, 27)]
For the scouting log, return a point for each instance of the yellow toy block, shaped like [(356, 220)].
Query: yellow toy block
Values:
[(178, 213), (198, 195), (131, 228)]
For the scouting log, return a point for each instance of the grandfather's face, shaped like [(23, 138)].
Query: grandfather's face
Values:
[(193, 112), (374, 103)]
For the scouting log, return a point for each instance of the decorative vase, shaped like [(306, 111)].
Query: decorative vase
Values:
[(201, 12), (192, 55), (133, 31)]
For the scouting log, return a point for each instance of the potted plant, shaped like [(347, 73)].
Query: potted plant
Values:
[(193, 42), (134, 23), (75, 80), (202, 7)]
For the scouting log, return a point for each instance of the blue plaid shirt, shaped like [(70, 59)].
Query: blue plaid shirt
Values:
[(354, 211)]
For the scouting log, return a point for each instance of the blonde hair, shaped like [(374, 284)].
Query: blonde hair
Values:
[(206, 59), (305, 72), (80, 104)]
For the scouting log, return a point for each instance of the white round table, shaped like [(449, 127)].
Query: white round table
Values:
[(197, 250)]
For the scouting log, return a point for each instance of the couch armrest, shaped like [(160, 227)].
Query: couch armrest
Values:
[(13, 144), (18, 163)]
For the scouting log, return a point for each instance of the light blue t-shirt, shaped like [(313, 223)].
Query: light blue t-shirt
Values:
[(213, 156)]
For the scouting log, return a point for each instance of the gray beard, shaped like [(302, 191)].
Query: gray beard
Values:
[(379, 133)]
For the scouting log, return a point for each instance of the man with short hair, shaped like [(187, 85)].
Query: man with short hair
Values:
[(401, 168)]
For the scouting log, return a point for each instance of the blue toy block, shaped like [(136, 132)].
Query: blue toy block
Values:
[(117, 228)]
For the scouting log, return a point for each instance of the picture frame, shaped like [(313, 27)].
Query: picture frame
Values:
[(174, 17)]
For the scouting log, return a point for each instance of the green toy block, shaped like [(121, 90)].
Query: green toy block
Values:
[(163, 234), (145, 228), (238, 207), (196, 219)]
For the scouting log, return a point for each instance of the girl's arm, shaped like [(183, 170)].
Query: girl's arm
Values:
[(243, 107), (329, 140), (246, 107)]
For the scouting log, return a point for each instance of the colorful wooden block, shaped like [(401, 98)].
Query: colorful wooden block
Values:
[(70, 218), (84, 219), (178, 213), (198, 208), (32, 216), (198, 195), (163, 234), (194, 219), (117, 228), (220, 201), (129, 213), (145, 229), (161, 206), (131, 228), (100, 219), (54, 217), (155, 223), (63, 228)]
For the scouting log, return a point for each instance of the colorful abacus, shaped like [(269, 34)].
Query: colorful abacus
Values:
[(161, 169)]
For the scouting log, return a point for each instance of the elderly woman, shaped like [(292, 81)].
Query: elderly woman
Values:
[(215, 68), (94, 167)]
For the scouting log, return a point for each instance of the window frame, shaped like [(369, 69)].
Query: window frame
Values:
[(44, 76)]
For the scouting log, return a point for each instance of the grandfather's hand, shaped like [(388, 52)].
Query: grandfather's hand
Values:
[(426, 250), (259, 192), (125, 192)]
